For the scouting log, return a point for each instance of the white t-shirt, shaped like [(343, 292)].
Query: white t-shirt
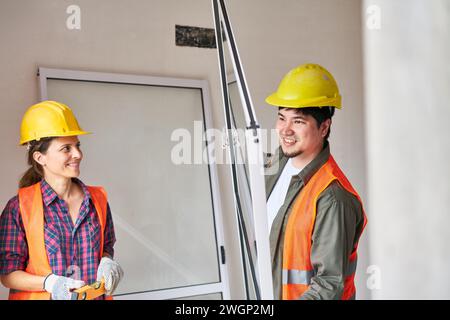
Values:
[(280, 190)]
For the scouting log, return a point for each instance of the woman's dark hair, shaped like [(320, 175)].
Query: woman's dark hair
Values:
[(320, 114), (35, 173)]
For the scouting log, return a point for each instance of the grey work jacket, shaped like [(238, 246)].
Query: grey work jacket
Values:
[(338, 225)]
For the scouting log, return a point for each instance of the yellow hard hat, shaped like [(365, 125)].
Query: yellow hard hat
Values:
[(48, 119), (308, 85)]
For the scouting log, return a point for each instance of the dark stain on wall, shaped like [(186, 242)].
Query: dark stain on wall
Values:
[(187, 36)]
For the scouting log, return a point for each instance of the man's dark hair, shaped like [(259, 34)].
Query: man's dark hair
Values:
[(320, 114)]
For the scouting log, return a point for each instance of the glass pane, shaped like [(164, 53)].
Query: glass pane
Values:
[(238, 119), (244, 201), (163, 212)]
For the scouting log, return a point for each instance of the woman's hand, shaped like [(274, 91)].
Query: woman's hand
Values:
[(60, 287), (111, 272)]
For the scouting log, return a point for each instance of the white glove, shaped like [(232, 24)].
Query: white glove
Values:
[(60, 286), (112, 273)]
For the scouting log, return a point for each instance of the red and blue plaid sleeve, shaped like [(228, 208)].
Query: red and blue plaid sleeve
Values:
[(109, 235), (13, 243)]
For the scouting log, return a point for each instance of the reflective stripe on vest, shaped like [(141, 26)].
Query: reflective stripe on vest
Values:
[(305, 276), (32, 214), (297, 268)]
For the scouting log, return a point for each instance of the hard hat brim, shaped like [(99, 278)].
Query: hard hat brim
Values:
[(54, 135), (276, 101)]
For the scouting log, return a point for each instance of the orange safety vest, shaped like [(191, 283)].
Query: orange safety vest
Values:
[(32, 213), (297, 267)]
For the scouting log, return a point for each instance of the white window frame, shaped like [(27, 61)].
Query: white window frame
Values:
[(254, 149), (222, 286)]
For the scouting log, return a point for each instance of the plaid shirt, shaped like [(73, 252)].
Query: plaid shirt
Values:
[(72, 250)]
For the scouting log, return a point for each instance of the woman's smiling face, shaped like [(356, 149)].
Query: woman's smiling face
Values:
[(62, 158)]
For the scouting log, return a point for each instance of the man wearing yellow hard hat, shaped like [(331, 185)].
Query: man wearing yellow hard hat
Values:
[(57, 233), (315, 215)]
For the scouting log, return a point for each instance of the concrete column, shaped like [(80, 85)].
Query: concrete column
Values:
[(407, 91)]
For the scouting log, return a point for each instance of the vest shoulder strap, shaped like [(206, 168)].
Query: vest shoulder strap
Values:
[(32, 213)]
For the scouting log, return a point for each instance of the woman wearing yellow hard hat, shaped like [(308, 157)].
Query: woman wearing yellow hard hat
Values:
[(57, 233)]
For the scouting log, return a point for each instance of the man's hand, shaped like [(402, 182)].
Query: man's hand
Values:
[(60, 286), (111, 272)]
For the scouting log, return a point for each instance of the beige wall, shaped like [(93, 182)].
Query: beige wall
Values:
[(138, 37)]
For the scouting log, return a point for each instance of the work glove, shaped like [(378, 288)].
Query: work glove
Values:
[(60, 286), (111, 272)]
